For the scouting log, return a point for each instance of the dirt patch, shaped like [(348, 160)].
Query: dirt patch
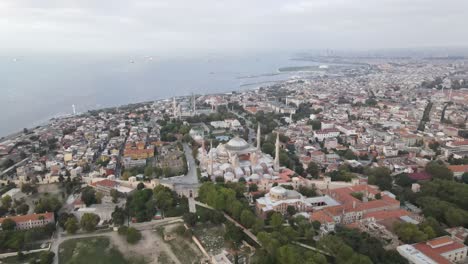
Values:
[(151, 247)]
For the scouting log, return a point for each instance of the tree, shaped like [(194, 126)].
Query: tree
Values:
[(403, 180), (88, 196), (115, 195), (316, 124), (126, 175), (149, 171), (268, 148), (164, 197), (313, 169), (89, 221), (22, 209), (133, 235), (464, 177), (47, 257), (306, 191), (247, 218), (253, 187), (190, 219), (380, 176), (349, 155), (6, 201), (8, 224), (258, 226), (438, 170), (71, 225), (233, 238), (99, 196), (140, 186), (48, 204), (276, 220), (118, 216), (291, 210), (409, 233)]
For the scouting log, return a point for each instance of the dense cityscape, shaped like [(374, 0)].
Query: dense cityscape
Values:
[(363, 160)]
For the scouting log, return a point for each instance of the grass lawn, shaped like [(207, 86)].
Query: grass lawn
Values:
[(183, 250), (26, 259), (90, 250)]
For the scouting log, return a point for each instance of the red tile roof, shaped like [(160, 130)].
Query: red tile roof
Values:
[(438, 246), (458, 168), (26, 218), (383, 215), (420, 176), (105, 183)]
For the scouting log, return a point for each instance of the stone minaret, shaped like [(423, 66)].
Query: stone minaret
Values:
[(174, 108), (259, 137), (210, 168), (277, 147)]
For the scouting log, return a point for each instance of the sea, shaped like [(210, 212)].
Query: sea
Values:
[(35, 88)]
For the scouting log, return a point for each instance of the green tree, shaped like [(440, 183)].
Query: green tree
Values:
[(88, 196), (233, 238), (276, 220), (438, 170), (71, 225), (380, 176), (190, 219), (289, 254), (247, 218), (316, 124), (118, 216), (22, 209), (89, 221), (115, 195), (409, 233), (6, 201), (149, 171), (313, 169), (46, 257), (8, 224), (133, 235), (291, 210), (268, 148), (48, 204), (464, 177), (164, 197)]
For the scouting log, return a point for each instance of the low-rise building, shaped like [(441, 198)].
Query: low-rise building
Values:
[(31, 220), (441, 250)]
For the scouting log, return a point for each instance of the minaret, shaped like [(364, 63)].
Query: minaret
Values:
[(259, 136), (174, 108), (211, 159), (277, 145), (203, 158), (74, 109)]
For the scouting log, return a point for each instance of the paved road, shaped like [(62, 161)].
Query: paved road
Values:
[(191, 176)]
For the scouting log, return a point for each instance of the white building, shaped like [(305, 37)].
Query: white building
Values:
[(441, 250)]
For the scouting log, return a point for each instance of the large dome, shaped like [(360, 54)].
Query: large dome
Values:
[(237, 144)]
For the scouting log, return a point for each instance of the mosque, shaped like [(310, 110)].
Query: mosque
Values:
[(237, 158)]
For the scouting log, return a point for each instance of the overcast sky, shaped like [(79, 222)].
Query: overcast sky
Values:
[(172, 26)]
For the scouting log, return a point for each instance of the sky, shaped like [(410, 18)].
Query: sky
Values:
[(193, 26)]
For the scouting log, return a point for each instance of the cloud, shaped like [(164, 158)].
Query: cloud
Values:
[(172, 26)]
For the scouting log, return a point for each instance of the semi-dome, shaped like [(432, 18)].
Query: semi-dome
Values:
[(278, 190), (237, 144)]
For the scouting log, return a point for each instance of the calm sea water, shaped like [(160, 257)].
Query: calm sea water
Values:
[(35, 88)]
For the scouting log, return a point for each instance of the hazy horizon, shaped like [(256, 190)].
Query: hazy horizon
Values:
[(228, 27)]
